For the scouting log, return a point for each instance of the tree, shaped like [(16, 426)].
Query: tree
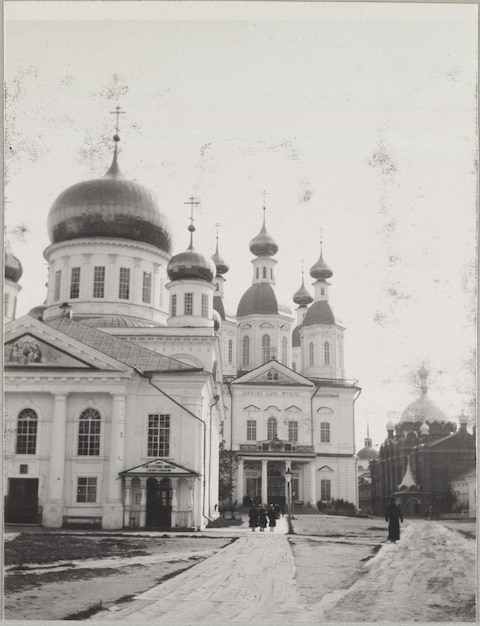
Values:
[(228, 464)]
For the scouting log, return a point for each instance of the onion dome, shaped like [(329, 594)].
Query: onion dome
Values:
[(390, 425), (13, 267), (301, 296), (260, 298), (320, 270), (37, 312), (222, 267), (191, 264), (424, 429), (319, 313), (367, 453), (423, 409), (263, 244), (111, 206)]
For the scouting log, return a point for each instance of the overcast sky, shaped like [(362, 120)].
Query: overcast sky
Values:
[(359, 119)]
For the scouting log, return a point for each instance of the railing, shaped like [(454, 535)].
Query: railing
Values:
[(287, 448)]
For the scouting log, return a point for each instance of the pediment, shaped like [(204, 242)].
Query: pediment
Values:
[(30, 351), (159, 467), (273, 373)]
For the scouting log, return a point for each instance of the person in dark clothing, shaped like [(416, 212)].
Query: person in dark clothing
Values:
[(253, 517), (272, 517), (393, 516), (262, 518)]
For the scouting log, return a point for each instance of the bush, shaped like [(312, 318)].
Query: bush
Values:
[(336, 507)]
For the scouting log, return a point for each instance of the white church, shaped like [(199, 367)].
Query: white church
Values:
[(120, 387)]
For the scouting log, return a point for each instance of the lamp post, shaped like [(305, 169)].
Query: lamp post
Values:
[(288, 483)]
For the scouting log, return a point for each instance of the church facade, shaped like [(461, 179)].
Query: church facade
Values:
[(120, 387)]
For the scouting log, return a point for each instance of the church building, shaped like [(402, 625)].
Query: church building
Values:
[(120, 387)]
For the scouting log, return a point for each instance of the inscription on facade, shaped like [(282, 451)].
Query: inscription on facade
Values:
[(271, 393)]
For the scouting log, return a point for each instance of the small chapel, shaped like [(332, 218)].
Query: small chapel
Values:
[(120, 387)]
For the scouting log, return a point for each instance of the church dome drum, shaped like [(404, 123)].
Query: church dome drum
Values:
[(111, 206)]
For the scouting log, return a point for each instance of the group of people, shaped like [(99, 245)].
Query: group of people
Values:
[(261, 516)]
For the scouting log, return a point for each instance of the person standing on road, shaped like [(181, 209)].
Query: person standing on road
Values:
[(253, 517), (272, 517), (393, 516), (262, 518)]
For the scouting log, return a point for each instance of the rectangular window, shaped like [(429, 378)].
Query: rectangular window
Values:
[(26, 436), (325, 489), (158, 434), (124, 284), (75, 283), (204, 305), (325, 432), (99, 282), (251, 430), (292, 431), (173, 305), (89, 437), (6, 297), (188, 304), (87, 489), (147, 287), (58, 282)]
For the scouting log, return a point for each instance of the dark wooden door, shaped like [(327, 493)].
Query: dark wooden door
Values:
[(159, 503), (22, 501)]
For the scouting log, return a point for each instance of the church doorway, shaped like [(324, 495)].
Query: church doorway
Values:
[(22, 501), (275, 485), (159, 503), (413, 507)]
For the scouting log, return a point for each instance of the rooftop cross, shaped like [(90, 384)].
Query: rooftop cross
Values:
[(321, 240), (192, 202), (217, 226), (264, 193), (117, 112)]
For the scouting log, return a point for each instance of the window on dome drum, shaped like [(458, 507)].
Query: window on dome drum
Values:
[(6, 298), (265, 348), (204, 305), (188, 304), (284, 350), (230, 351), (58, 283), (325, 489), (271, 273), (14, 314), (271, 428), (75, 283), (147, 287), (311, 353), (27, 425), (173, 305), (325, 432), (158, 434), (86, 489), (257, 273), (124, 283), (293, 431), (251, 430), (98, 281), (245, 351), (326, 350), (322, 291), (89, 433), (264, 272)]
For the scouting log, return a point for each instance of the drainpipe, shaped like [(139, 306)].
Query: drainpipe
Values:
[(148, 377), (356, 461)]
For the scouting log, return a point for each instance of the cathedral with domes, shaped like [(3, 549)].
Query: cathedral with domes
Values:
[(121, 386)]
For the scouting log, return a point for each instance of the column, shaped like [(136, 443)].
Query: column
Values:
[(240, 487), (313, 484), (143, 502), (175, 517), (128, 501), (113, 512), (53, 509), (264, 481), (194, 522)]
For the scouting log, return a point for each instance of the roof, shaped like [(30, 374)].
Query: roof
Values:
[(296, 341), (218, 306), (124, 351), (423, 410), (118, 321), (259, 298), (319, 313)]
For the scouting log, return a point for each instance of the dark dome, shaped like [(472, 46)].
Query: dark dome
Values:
[(109, 207), (37, 312), (302, 297), (319, 313), (263, 244), (296, 342), (218, 306), (13, 267), (321, 270), (191, 265), (259, 298), (222, 267), (368, 453)]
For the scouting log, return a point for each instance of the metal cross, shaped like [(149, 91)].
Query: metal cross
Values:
[(117, 112), (191, 202), (264, 193), (217, 226)]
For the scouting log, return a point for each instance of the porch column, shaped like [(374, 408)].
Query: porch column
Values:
[(313, 484), (191, 486), (264, 481), (174, 516), (113, 511), (53, 509), (128, 501), (143, 502), (240, 488)]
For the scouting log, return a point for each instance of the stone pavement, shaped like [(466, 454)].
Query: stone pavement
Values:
[(251, 580)]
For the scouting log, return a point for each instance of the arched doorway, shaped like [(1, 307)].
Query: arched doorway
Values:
[(159, 503), (276, 485), (413, 507)]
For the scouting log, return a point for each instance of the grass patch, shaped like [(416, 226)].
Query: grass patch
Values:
[(86, 613)]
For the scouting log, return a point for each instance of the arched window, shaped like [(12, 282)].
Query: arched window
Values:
[(27, 424), (264, 272), (284, 350), (311, 354), (265, 348), (230, 351), (326, 351), (246, 351), (322, 291), (89, 433), (271, 273), (271, 428)]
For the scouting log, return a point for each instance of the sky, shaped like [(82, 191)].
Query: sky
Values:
[(357, 120)]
